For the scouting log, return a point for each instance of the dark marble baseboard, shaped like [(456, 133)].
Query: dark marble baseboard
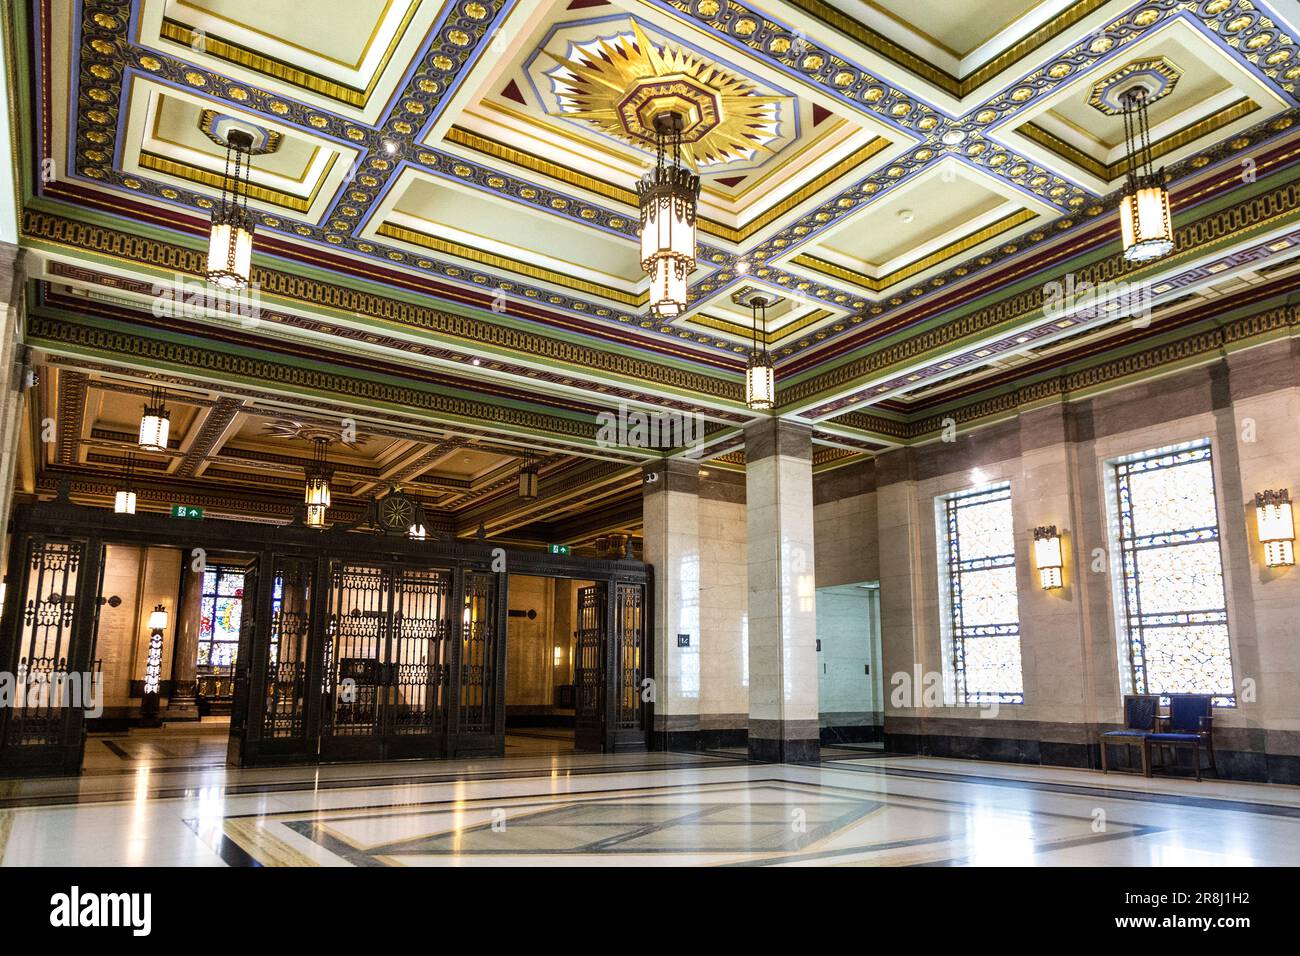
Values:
[(852, 734), (785, 750), (1248, 766)]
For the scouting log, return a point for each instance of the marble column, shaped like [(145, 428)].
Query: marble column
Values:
[(671, 511), (783, 723), (183, 704)]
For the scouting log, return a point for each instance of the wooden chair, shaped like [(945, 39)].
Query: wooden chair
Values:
[(1139, 724), (1191, 722)]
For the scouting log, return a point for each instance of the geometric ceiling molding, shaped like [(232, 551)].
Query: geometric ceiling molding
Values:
[(431, 211), (618, 85), (1156, 78)]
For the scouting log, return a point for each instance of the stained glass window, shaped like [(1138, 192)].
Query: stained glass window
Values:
[(1175, 612), (220, 611), (981, 584)]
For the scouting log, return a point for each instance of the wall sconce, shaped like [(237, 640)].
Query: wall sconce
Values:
[(1047, 557), (1276, 527), (153, 667)]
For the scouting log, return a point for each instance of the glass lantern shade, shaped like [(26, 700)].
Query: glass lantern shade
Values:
[(155, 424), (230, 249), (1146, 224), (760, 382)]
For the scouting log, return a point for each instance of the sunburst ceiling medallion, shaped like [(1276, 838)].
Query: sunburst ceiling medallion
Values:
[(620, 84), (311, 432)]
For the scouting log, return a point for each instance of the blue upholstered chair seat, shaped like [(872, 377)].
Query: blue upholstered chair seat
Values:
[(1127, 733), (1184, 738)]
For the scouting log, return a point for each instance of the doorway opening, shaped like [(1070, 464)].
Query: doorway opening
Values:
[(185, 724), (543, 666), (850, 679)]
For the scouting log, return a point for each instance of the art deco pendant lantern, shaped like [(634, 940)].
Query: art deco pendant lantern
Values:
[(230, 242), (669, 195)]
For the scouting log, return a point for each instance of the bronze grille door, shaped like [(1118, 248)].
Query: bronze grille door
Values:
[(589, 670), (274, 719), (49, 623), (630, 673), (386, 654)]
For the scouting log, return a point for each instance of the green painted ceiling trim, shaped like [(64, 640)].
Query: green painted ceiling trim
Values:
[(1011, 326), (1151, 273), (1169, 337), (390, 327), (141, 358), (15, 21)]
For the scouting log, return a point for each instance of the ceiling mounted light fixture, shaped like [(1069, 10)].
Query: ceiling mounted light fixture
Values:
[(124, 500), (230, 243), (760, 376), (1146, 223), (528, 480), (155, 422), (316, 495), (668, 196)]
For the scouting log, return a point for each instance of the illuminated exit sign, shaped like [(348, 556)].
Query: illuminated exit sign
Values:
[(559, 549), (187, 511)]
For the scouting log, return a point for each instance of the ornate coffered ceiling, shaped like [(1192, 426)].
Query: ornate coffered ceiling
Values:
[(446, 208)]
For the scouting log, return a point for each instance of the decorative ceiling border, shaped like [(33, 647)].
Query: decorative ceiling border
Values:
[(1066, 247), (877, 43), (811, 65), (1109, 172), (58, 334), (86, 237), (1157, 358), (1269, 207)]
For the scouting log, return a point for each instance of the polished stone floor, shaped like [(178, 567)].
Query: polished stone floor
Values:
[(164, 798)]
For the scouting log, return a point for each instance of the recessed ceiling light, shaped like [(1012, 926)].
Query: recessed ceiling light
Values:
[(475, 361), (742, 266), (390, 147), (953, 137)]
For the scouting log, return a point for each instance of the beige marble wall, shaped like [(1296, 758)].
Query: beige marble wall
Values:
[(670, 516), (1056, 461), (530, 645), (723, 613), (782, 598), (141, 578), (845, 525)]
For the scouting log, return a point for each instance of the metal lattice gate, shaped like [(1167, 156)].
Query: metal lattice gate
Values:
[(386, 662)]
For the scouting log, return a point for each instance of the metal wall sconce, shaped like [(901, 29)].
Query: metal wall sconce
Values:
[(1047, 557), (1276, 527)]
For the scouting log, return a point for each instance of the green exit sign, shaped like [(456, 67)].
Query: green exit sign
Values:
[(559, 549), (187, 511)]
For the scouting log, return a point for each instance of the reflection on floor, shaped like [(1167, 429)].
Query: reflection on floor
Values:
[(535, 740), (199, 744), (858, 807)]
